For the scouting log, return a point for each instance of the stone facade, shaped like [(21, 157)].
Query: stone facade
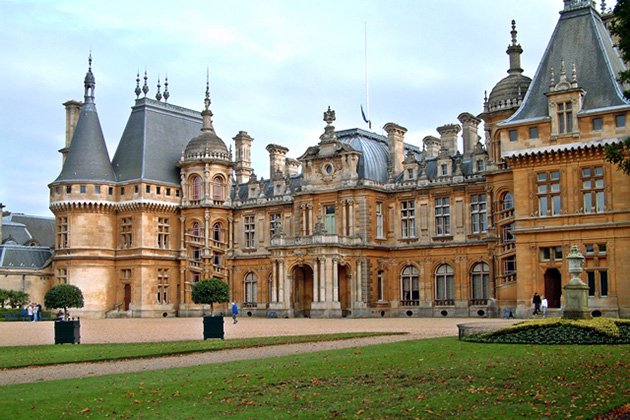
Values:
[(370, 225)]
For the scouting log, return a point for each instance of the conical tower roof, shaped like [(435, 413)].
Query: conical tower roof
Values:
[(582, 41), (87, 158)]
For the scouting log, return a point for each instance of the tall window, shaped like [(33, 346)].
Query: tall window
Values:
[(196, 253), (251, 288), (216, 232), (329, 220), (444, 283), (196, 187), (196, 229), (379, 221), (62, 232), (218, 188), (379, 286), (508, 232), (565, 117), (62, 276), (593, 189), (596, 269), (480, 279), (408, 219), (442, 216), (548, 184), (162, 286), (509, 265), (275, 224), (163, 233), (410, 285), (126, 236), (250, 232), (508, 201), (478, 213)]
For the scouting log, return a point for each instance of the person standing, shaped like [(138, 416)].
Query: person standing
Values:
[(543, 306), (35, 312), (39, 311), (29, 311), (234, 312), (536, 301)]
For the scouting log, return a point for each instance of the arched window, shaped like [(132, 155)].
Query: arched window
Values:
[(195, 182), (216, 232), (196, 229), (218, 185), (409, 285), (444, 283), (251, 288), (508, 201), (480, 278)]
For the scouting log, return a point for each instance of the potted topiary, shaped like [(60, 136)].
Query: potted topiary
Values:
[(210, 292), (65, 296)]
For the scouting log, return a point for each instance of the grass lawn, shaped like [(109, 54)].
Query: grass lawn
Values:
[(432, 378), (22, 356)]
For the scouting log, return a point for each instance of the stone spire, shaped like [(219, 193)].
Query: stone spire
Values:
[(514, 50), (158, 95), (207, 114), (138, 91), (89, 82), (166, 94), (145, 88)]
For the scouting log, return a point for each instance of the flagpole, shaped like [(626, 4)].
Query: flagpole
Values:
[(367, 91)]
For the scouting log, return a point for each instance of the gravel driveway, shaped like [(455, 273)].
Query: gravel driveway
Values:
[(172, 329)]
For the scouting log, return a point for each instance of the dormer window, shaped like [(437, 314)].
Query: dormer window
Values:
[(620, 121), (565, 117), (409, 173), (533, 132), (480, 165), (444, 169), (598, 124)]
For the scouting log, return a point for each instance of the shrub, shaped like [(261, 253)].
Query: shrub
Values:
[(64, 296), (210, 292), (560, 331)]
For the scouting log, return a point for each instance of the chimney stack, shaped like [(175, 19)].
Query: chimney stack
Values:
[(431, 146), (243, 160), (470, 123), (277, 161), (395, 139), (73, 110), (448, 137)]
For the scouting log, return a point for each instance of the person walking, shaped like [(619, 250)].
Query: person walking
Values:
[(543, 306), (234, 312), (536, 301)]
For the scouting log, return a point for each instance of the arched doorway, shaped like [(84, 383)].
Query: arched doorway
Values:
[(345, 295), (553, 287), (302, 292)]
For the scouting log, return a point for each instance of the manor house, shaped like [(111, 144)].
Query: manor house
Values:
[(361, 224)]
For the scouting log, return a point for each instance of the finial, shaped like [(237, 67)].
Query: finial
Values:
[(158, 95), (563, 70), (138, 90), (513, 32), (329, 116), (89, 82), (574, 81), (552, 81), (166, 94), (145, 88), (206, 101), (603, 6)]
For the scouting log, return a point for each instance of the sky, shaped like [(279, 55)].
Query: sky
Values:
[(274, 67)]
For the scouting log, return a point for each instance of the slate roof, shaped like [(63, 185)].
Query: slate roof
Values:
[(24, 257), (87, 158), (153, 141), (579, 38), (40, 229)]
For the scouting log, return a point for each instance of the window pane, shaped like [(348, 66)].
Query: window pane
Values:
[(591, 282), (603, 287)]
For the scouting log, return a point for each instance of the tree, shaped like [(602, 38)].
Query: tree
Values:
[(210, 292), (64, 296), (18, 298), (619, 153)]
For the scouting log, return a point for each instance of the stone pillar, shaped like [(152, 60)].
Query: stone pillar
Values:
[(358, 277), (335, 277), (310, 219), (576, 291), (281, 279), (323, 275), (316, 280), (274, 281), (343, 218), (351, 218)]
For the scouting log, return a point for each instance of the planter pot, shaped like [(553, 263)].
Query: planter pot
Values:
[(67, 332), (213, 327)]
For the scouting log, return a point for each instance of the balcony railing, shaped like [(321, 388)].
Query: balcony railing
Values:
[(445, 302), (316, 239), (478, 302), (410, 303)]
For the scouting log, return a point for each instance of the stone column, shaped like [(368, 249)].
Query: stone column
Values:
[(323, 276), (358, 281), (281, 279), (274, 281), (343, 218), (310, 219), (316, 280), (303, 208), (335, 279), (351, 218)]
